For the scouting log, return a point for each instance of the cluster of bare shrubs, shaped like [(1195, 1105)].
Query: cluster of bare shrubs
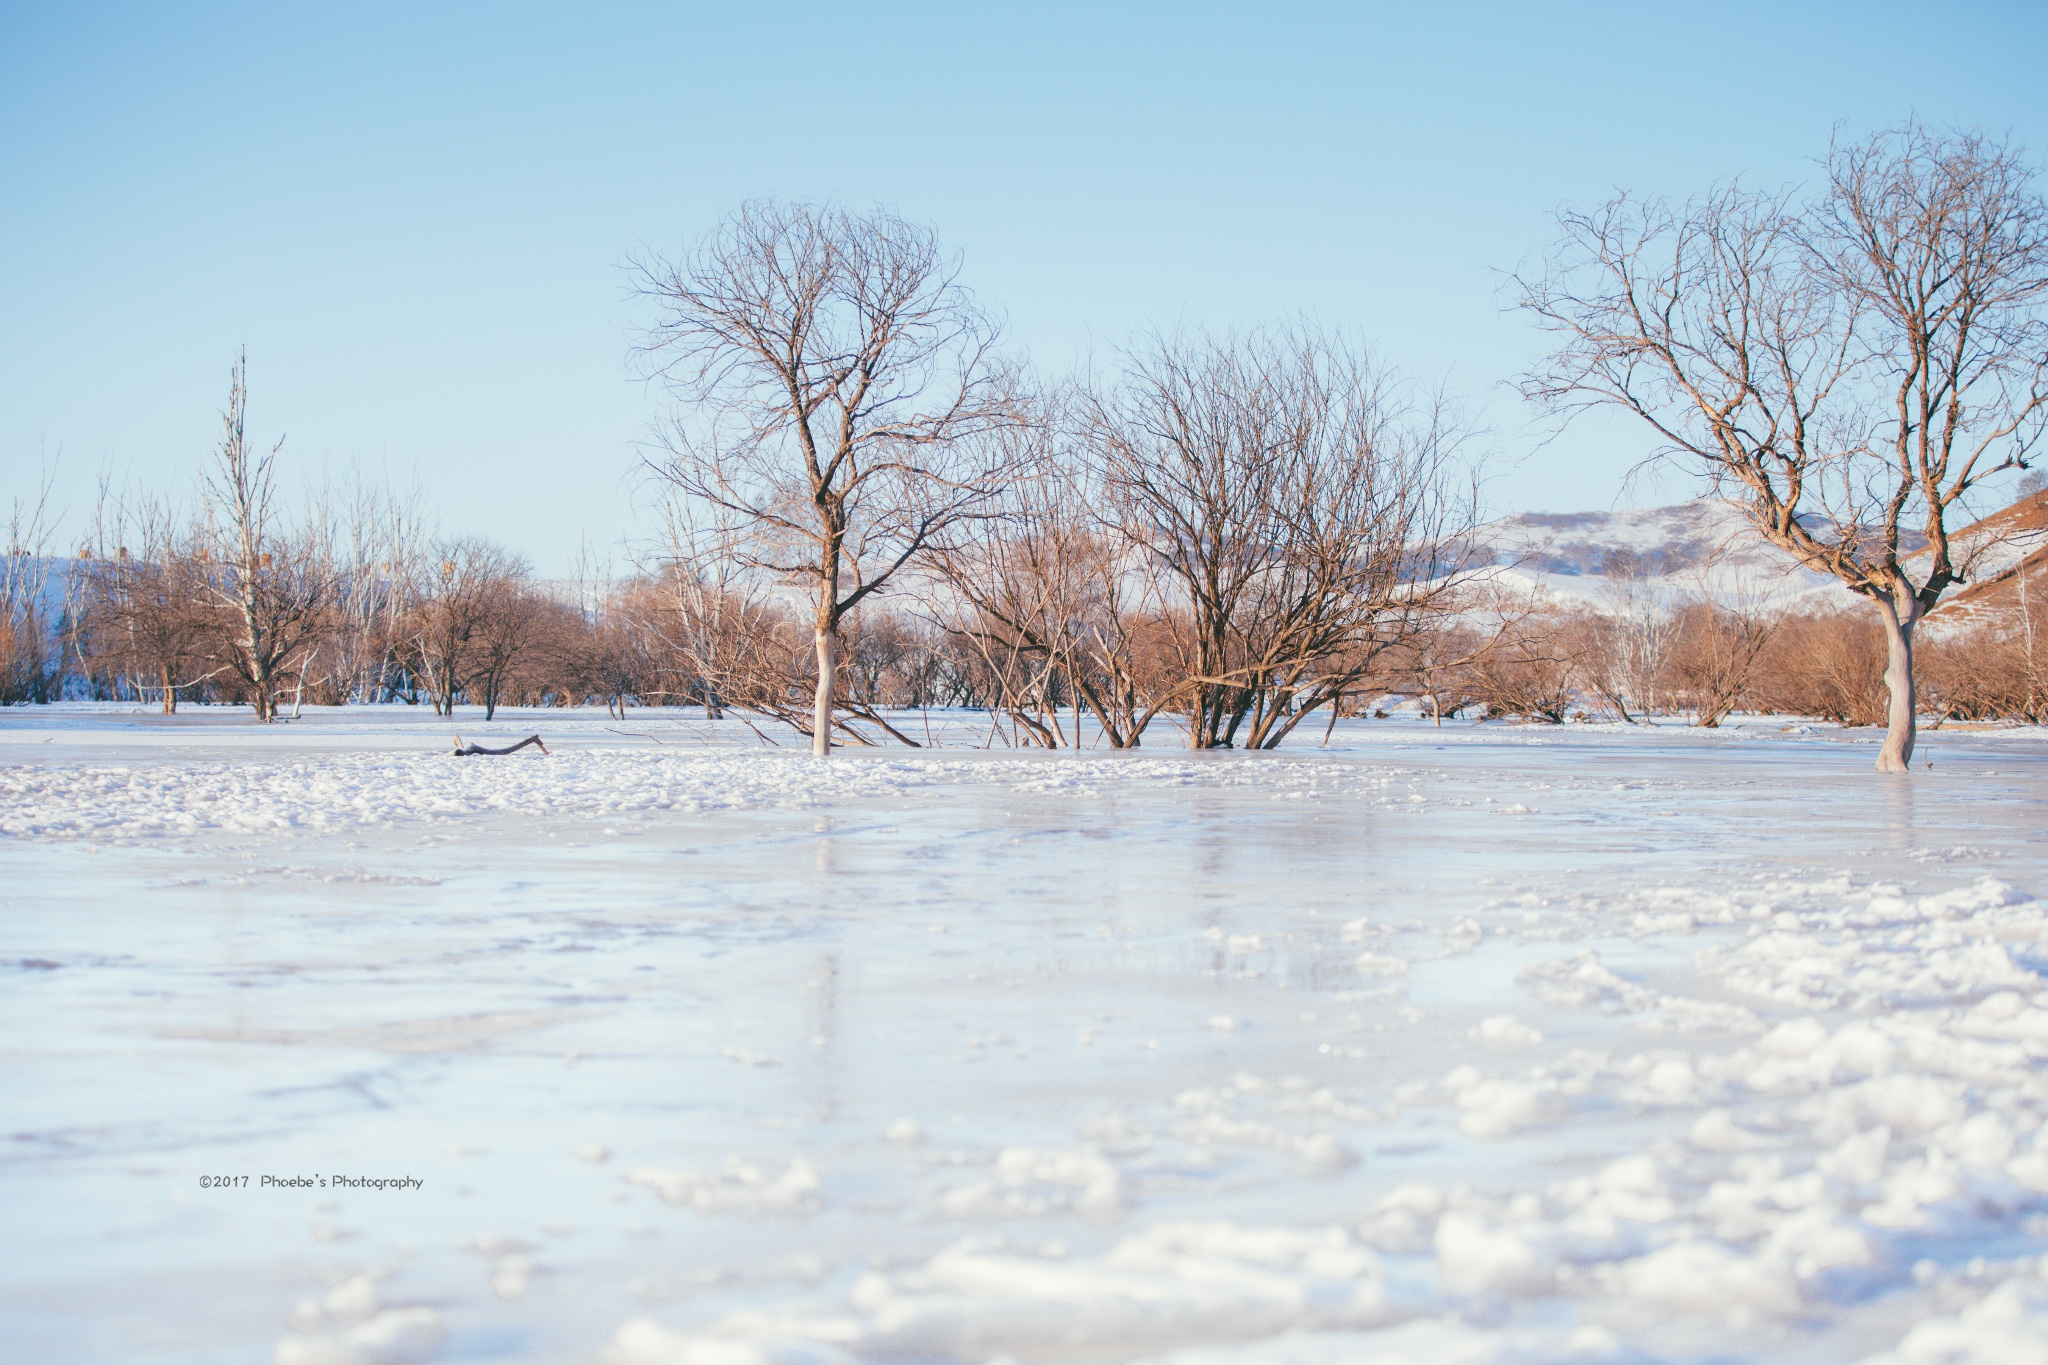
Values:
[(1542, 663), (1706, 660)]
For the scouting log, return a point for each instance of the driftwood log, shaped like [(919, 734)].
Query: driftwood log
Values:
[(465, 750)]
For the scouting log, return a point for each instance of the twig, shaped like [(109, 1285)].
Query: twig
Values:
[(629, 734), (741, 717)]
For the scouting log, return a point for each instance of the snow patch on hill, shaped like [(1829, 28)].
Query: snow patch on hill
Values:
[(1703, 548)]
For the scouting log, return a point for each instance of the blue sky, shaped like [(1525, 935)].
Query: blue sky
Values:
[(415, 216)]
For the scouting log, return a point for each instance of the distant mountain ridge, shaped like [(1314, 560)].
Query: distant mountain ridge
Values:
[(1704, 547)]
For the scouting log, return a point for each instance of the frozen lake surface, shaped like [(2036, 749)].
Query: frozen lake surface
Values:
[(1475, 1045)]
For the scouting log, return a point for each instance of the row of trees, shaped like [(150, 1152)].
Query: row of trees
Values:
[(1706, 660), (234, 599), (1045, 632), (1237, 532), (1229, 532)]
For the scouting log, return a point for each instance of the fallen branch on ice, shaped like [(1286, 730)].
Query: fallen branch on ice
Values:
[(465, 750)]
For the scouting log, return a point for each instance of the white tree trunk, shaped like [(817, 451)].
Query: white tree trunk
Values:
[(1897, 754), (821, 715)]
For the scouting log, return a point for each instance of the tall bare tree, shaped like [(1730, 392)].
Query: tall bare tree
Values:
[(31, 666), (1847, 368), (1639, 624), (830, 366), (266, 585)]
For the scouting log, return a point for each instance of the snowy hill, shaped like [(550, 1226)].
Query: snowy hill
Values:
[(2006, 556), (1698, 548), (1706, 548)]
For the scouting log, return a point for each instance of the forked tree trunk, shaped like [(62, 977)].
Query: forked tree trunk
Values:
[(1897, 754), (821, 714)]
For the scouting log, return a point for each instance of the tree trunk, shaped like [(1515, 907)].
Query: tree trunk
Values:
[(821, 714), (1897, 754), (259, 682), (170, 698)]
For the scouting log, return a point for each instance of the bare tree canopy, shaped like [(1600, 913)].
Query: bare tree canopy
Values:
[(1301, 504), (1052, 599), (471, 618), (267, 585), (829, 368), (1848, 367), (31, 665)]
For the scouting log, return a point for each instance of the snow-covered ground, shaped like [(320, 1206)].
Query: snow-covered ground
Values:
[(1481, 1044)]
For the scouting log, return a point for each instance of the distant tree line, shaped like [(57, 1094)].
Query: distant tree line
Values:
[(1046, 629), (1652, 650)]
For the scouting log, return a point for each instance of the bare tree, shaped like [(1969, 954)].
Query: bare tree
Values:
[(142, 599), (462, 630), (382, 553), (513, 622), (1054, 600), (1716, 652), (709, 599), (832, 365), (1847, 368), (1533, 666), (1300, 508), (31, 665), (1639, 624), (1436, 663), (266, 586)]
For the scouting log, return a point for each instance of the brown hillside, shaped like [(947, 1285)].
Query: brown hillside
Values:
[(2007, 547)]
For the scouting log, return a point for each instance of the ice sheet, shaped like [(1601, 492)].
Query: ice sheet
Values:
[(1478, 1044)]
